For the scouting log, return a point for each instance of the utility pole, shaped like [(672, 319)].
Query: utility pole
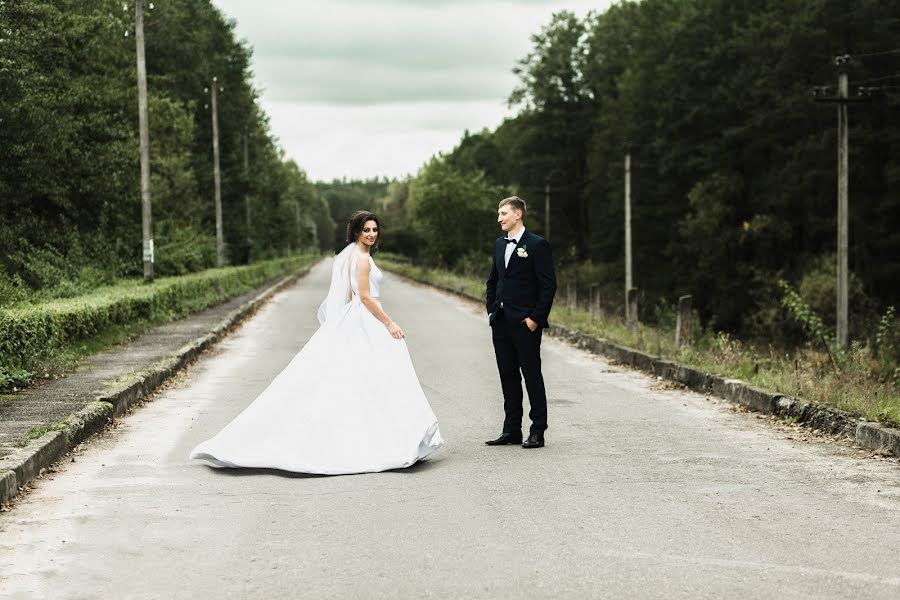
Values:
[(843, 99), (297, 224), (547, 209), (217, 175), (629, 284), (144, 130), (247, 195), (843, 282)]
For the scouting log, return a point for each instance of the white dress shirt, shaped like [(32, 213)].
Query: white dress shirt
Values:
[(510, 247)]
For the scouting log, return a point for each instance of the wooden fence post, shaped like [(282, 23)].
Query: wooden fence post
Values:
[(631, 309), (683, 326), (571, 296), (595, 302)]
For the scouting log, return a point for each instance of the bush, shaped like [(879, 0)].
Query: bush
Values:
[(586, 273), (818, 333), (887, 344), (183, 250), (402, 259), (818, 288), (474, 263), (406, 241), (44, 272), (46, 269), (31, 335), (12, 290)]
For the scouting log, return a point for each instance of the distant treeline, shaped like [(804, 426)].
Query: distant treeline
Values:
[(734, 164), (69, 165)]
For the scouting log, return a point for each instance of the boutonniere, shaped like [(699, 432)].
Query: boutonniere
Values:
[(521, 252)]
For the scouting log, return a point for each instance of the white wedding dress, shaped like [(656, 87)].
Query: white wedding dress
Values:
[(348, 402)]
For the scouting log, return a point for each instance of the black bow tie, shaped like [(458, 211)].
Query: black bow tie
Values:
[(510, 241)]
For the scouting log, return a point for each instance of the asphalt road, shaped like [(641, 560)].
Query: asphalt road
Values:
[(641, 492)]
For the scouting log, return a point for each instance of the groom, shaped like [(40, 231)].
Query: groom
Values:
[(519, 295)]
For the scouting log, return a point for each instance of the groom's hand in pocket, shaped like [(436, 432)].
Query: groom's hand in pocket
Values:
[(531, 325)]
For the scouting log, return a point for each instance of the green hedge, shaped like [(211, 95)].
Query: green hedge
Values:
[(31, 334)]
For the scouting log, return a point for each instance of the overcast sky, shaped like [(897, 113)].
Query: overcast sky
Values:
[(360, 88)]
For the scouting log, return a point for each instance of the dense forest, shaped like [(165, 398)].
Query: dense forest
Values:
[(734, 164), (69, 166)]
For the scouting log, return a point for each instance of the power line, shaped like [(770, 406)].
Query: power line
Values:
[(883, 53), (873, 79)]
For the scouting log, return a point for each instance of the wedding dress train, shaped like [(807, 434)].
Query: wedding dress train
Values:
[(348, 402)]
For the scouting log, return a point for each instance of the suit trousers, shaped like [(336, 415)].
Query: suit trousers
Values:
[(518, 350)]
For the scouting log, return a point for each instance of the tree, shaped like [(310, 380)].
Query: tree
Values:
[(456, 212), (733, 174), (69, 195)]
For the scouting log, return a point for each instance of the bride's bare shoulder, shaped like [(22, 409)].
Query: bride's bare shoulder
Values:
[(363, 262)]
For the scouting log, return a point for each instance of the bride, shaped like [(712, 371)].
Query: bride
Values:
[(349, 401)]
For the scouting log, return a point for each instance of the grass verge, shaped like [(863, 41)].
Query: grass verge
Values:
[(45, 339), (38, 431), (805, 372)]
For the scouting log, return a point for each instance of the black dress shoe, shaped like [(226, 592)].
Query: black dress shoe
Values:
[(535, 440), (506, 439)]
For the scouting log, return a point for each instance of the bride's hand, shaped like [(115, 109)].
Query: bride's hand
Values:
[(395, 330)]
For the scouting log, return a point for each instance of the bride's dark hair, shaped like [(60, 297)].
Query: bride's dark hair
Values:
[(357, 220)]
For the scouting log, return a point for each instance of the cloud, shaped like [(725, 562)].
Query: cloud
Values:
[(332, 141), (347, 82), (390, 82), (372, 52)]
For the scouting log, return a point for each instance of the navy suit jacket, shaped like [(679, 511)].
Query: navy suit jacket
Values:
[(526, 287)]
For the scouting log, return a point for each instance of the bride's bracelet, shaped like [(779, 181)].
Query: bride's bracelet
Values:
[(391, 323)]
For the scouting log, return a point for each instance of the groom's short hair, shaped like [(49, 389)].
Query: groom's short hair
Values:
[(514, 202)]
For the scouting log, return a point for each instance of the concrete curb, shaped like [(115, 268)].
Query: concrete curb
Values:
[(24, 465), (866, 434)]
